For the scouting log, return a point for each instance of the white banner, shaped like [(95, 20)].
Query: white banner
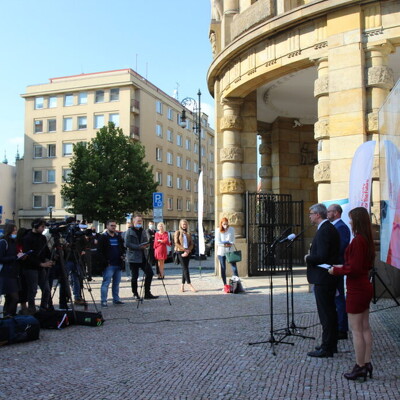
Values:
[(360, 176), (200, 206)]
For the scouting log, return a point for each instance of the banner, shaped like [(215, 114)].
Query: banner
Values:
[(361, 176), (200, 205)]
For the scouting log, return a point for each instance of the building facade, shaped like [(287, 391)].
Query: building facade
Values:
[(7, 193), (72, 109), (307, 77)]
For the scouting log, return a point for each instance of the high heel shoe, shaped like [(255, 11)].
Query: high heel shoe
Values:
[(369, 368), (357, 372)]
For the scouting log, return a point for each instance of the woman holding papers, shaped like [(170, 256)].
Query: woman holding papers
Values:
[(225, 238), (358, 261)]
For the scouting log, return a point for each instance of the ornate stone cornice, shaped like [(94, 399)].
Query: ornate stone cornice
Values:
[(232, 154), (321, 86), (380, 76), (322, 172), (231, 186)]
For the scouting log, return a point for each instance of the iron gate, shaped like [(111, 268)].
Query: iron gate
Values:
[(267, 217)]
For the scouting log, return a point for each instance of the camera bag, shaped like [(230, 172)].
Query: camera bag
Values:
[(21, 328)]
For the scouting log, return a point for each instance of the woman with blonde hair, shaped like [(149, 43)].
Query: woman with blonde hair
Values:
[(225, 238), (358, 261), (161, 241), (183, 246)]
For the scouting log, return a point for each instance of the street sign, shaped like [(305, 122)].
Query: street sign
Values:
[(158, 200)]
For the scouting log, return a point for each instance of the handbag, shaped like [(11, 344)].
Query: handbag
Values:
[(176, 258), (227, 289), (236, 286), (234, 256)]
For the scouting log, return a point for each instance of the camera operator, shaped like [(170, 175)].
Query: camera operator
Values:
[(73, 252), (36, 265)]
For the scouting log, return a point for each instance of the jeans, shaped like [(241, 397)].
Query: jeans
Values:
[(184, 261), (222, 263), (111, 272), (72, 269)]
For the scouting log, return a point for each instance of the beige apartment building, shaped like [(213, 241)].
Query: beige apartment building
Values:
[(7, 192), (308, 78), (72, 109)]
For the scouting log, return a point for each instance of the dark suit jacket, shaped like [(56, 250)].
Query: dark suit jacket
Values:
[(324, 250), (344, 233)]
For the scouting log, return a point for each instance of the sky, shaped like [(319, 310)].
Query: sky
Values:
[(166, 41)]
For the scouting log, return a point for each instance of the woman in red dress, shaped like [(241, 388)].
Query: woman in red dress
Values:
[(359, 259), (161, 241)]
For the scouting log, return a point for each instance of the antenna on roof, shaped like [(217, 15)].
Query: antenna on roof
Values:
[(176, 92)]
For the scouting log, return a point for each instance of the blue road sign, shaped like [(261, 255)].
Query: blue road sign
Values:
[(158, 200)]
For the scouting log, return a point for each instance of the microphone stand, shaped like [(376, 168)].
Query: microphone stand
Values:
[(272, 339)]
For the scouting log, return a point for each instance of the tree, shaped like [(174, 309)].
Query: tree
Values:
[(109, 177)]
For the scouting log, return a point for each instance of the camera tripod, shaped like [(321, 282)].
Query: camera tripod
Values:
[(375, 298)]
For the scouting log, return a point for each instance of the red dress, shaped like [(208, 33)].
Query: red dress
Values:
[(160, 249), (356, 267)]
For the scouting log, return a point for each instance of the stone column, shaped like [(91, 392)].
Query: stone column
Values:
[(265, 172), (322, 173), (379, 81), (231, 186)]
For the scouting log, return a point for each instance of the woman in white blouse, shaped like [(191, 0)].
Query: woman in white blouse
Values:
[(225, 238)]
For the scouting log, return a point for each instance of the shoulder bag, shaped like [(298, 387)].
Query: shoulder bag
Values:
[(234, 256)]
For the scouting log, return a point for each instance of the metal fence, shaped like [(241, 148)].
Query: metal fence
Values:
[(267, 217)]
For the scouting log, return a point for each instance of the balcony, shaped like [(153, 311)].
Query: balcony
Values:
[(135, 107), (135, 133)]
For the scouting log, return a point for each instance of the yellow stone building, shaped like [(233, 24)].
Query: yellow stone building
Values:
[(307, 77), (72, 109)]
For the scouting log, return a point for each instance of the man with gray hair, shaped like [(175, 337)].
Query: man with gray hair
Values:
[(324, 252)]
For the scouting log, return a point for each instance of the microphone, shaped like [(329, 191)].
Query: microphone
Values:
[(291, 237)]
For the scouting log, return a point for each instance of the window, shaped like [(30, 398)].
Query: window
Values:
[(51, 125), (170, 136), (52, 102), (170, 114), (188, 145), (159, 107), (211, 174), (195, 206), (211, 141), (196, 167), (188, 185), (51, 150), (66, 174), (114, 118), (179, 140), (196, 187), (114, 94), (169, 158), (37, 176), (68, 100), (188, 205), (37, 151), (159, 177), (38, 126), (67, 124), (179, 182), (51, 175), (99, 121), (159, 130), (99, 96), (82, 122), (51, 200), (203, 134), (179, 161), (158, 154), (65, 203), (39, 102), (211, 156), (202, 151), (188, 166), (170, 203), (179, 204), (82, 98), (37, 201), (211, 190), (68, 149), (196, 148), (169, 180)]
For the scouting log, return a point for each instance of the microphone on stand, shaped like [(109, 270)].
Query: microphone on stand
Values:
[(291, 237)]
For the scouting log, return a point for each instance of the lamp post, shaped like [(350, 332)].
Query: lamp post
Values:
[(13, 214)]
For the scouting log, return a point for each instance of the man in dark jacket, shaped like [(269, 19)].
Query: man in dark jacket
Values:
[(111, 251), (324, 252), (137, 244), (37, 264)]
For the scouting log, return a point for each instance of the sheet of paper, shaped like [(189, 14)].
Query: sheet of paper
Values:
[(325, 266)]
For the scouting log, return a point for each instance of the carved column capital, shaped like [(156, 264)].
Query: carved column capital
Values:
[(321, 86), (372, 122), (322, 172), (380, 76), (321, 129), (265, 172), (230, 122), (231, 186), (234, 218), (265, 148), (232, 154)]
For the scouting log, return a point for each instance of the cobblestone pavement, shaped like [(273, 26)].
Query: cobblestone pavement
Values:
[(198, 348)]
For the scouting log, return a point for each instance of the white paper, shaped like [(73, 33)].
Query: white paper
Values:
[(325, 266)]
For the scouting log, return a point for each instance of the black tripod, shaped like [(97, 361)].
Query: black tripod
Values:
[(272, 340), (373, 276)]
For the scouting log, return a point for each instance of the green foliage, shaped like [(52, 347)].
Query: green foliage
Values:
[(109, 177)]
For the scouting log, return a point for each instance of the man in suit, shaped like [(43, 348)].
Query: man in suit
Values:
[(335, 217), (324, 250)]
